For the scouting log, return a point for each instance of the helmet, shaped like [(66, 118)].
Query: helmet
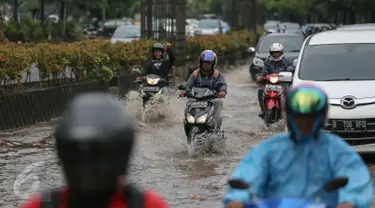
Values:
[(94, 142), (306, 100), (158, 46), (208, 56), (276, 47)]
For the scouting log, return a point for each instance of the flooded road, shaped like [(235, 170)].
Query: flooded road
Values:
[(161, 160)]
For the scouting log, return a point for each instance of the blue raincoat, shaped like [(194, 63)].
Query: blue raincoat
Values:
[(278, 167)]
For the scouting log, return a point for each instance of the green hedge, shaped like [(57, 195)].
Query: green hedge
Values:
[(93, 59)]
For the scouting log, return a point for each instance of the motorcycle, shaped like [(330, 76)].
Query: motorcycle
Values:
[(273, 94), (287, 202), (151, 86), (200, 112)]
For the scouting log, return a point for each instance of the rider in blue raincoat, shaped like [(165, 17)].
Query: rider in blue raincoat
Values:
[(300, 162)]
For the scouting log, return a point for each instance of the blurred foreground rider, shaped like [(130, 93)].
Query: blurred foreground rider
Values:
[(94, 143), (299, 162)]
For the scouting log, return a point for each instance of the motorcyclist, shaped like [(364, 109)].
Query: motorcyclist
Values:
[(299, 162), (160, 64), (94, 143), (208, 76), (275, 63)]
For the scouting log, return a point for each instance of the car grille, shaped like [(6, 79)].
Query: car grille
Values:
[(369, 135)]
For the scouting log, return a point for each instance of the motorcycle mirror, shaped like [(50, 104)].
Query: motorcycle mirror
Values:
[(336, 184), (238, 184), (181, 87)]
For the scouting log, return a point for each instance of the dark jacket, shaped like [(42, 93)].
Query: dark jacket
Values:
[(163, 68), (209, 81), (276, 66)]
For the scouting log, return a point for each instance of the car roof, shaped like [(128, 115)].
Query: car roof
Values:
[(283, 34), (367, 26), (129, 26), (342, 37)]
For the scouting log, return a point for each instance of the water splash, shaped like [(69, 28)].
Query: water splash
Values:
[(157, 109), (207, 143)]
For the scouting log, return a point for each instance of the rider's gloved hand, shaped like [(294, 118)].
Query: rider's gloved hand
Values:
[(138, 78), (221, 94), (259, 78), (182, 94), (234, 204)]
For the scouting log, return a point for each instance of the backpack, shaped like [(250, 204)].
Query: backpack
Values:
[(133, 195), (216, 73)]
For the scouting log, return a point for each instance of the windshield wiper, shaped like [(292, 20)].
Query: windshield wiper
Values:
[(336, 79)]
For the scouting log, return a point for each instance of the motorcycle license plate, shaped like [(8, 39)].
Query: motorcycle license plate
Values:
[(198, 104), (273, 88), (151, 89)]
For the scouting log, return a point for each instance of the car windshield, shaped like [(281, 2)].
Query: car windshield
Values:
[(114, 23), (294, 26), (127, 32), (270, 26), (338, 62), (208, 23), (290, 43)]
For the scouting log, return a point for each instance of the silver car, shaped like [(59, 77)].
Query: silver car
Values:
[(126, 33)]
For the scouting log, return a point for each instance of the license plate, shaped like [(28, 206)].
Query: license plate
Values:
[(198, 104), (151, 89), (273, 88), (349, 125)]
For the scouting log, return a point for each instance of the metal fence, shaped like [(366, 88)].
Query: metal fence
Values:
[(165, 20)]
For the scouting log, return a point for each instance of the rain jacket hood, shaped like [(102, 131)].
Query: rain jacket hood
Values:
[(278, 167)]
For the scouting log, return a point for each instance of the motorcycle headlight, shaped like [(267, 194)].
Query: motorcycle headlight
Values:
[(202, 119), (274, 80), (258, 62), (190, 118), (153, 81)]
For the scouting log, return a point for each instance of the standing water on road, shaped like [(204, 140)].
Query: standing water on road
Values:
[(160, 162)]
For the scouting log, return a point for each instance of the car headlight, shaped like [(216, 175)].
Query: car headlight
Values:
[(202, 119), (190, 118), (258, 62), (274, 80), (153, 81)]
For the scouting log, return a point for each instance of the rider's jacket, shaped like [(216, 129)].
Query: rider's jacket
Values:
[(151, 200), (161, 68), (276, 66), (278, 167), (211, 81)]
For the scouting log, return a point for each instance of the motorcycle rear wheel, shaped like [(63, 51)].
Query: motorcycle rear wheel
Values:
[(271, 116)]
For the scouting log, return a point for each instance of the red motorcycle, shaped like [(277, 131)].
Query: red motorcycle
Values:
[(272, 94)]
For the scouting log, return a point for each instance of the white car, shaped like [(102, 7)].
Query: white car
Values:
[(126, 33), (342, 63)]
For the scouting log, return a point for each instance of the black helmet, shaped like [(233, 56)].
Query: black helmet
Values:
[(306, 100), (94, 142), (158, 46)]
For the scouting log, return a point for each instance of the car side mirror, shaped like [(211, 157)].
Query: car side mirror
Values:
[(285, 76), (182, 87), (251, 50), (295, 61)]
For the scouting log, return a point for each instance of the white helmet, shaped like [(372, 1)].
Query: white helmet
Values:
[(276, 47)]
